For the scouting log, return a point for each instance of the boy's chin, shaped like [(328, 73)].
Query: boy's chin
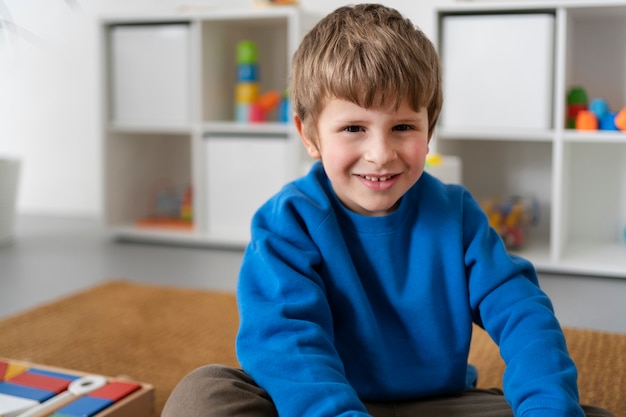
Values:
[(375, 210)]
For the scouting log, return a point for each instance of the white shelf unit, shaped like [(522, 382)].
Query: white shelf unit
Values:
[(168, 116), (579, 178)]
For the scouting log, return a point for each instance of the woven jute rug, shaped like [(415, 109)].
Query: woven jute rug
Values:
[(157, 334)]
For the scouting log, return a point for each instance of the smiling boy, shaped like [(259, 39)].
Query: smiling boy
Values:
[(372, 157), (359, 288)]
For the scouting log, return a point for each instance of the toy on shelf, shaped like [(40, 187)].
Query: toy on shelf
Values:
[(607, 121), (247, 88), (593, 115), (250, 104), (620, 119), (171, 208), (586, 120), (284, 113), (511, 218), (264, 3), (576, 101)]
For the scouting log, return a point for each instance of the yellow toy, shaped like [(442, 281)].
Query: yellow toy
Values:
[(510, 218)]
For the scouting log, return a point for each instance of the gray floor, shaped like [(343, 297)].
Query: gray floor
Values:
[(51, 257)]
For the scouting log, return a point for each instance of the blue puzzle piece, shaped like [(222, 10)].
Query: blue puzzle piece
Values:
[(85, 406), (53, 374), (25, 392)]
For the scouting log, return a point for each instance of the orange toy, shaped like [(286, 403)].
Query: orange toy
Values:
[(586, 120), (620, 119), (269, 101)]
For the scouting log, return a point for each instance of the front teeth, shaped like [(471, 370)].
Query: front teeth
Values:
[(375, 179)]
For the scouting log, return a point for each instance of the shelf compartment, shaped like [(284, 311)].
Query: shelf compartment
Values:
[(472, 65), (149, 74), (140, 166), (253, 162), (510, 168), (594, 194), (219, 41), (590, 258), (595, 53)]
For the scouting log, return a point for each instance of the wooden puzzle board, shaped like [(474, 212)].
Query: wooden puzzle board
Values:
[(34, 390)]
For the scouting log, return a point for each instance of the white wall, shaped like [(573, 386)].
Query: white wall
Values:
[(49, 93)]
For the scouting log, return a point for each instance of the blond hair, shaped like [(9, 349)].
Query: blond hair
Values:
[(370, 55)]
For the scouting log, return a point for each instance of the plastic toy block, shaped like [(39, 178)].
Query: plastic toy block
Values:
[(25, 392), (620, 119), (13, 406), (586, 120), (599, 107), (3, 367), (607, 122), (115, 390), (53, 374), (577, 95), (43, 382), (14, 369), (85, 406)]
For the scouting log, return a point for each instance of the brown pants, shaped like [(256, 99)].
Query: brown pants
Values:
[(220, 391)]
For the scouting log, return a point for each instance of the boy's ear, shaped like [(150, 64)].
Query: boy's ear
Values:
[(310, 146)]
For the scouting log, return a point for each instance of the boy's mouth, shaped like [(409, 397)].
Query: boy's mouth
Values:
[(381, 178), (379, 182)]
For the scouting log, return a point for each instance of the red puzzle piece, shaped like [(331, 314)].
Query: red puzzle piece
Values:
[(44, 382), (115, 390), (3, 367)]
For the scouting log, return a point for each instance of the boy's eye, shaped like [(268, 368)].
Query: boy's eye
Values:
[(353, 129), (402, 128)]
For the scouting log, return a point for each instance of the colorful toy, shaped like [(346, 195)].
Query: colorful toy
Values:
[(599, 107), (186, 208), (511, 217), (250, 104), (596, 115), (284, 114), (576, 101), (171, 207), (247, 88), (620, 119), (433, 159), (586, 120), (607, 122), (30, 390), (265, 3)]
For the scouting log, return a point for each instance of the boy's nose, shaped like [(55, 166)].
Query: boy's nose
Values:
[(380, 151)]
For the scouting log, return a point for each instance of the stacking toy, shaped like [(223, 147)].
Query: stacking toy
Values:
[(247, 88), (576, 101)]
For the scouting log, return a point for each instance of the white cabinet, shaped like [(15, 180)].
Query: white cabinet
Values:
[(150, 74), (578, 177), (242, 172), (474, 64), (169, 135)]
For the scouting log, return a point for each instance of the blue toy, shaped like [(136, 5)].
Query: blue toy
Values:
[(599, 107), (607, 121)]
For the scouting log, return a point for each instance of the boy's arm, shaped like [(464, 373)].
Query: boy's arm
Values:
[(540, 377), (285, 340)]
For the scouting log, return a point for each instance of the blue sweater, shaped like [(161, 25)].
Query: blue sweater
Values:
[(338, 308)]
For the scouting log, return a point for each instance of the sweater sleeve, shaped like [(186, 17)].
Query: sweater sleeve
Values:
[(285, 341), (540, 377)]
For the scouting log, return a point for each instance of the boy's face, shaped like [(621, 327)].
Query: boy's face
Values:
[(372, 156)]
